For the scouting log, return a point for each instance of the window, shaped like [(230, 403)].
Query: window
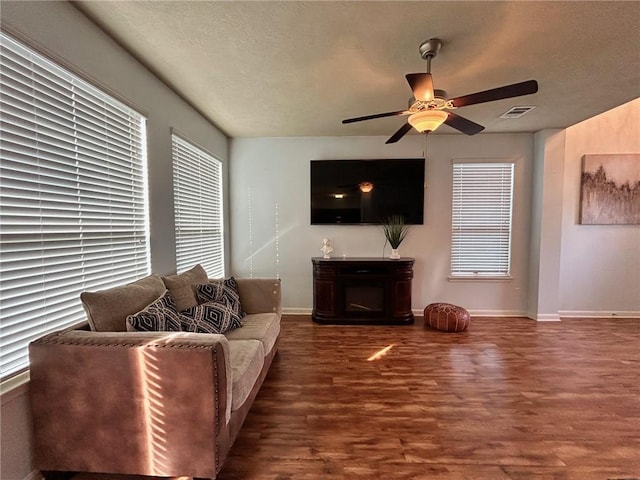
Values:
[(481, 219), (197, 194), (73, 210)]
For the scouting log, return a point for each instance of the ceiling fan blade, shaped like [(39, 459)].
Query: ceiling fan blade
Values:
[(421, 85), (377, 115), (402, 131), (462, 124), (508, 91)]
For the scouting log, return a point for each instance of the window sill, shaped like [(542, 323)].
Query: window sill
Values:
[(480, 278), (14, 386)]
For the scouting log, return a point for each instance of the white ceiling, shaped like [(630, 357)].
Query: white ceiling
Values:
[(297, 68)]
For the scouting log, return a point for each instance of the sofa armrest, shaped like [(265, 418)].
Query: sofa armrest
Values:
[(260, 295), (154, 403)]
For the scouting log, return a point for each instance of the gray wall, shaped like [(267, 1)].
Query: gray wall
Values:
[(546, 225), (559, 268), (600, 264), (269, 185), (59, 29)]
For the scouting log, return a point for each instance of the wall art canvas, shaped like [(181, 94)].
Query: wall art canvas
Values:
[(610, 189)]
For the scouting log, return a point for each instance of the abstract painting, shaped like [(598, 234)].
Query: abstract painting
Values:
[(610, 189)]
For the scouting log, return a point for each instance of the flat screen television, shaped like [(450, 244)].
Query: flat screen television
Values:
[(367, 191)]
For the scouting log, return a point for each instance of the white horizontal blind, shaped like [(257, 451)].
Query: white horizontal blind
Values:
[(73, 212), (197, 194), (481, 219)]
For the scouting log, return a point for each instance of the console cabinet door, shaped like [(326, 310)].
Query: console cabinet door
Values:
[(401, 298), (324, 292), (325, 297), (362, 291)]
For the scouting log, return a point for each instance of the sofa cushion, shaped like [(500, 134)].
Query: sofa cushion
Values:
[(217, 290), (107, 310), (210, 317), (264, 327), (183, 286), (159, 316), (247, 358)]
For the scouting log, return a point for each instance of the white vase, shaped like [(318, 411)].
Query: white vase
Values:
[(394, 254)]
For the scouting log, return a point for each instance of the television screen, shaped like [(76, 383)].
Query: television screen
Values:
[(367, 191)]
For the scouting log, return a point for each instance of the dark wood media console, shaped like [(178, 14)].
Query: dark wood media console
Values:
[(362, 290)]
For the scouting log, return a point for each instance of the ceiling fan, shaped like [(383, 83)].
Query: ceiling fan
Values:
[(427, 107)]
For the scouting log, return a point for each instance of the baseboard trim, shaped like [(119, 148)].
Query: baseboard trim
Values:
[(484, 313), (420, 312), (599, 314), (498, 313), (545, 317), (296, 311)]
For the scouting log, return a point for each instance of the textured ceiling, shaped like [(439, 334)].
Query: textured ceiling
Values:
[(298, 68)]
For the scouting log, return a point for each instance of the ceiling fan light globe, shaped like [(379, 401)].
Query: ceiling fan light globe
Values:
[(365, 187), (427, 96), (428, 120)]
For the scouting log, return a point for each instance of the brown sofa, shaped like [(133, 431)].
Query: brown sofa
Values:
[(148, 403)]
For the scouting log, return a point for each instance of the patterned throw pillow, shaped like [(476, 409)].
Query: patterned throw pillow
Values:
[(209, 317), (209, 292), (160, 316), (225, 291)]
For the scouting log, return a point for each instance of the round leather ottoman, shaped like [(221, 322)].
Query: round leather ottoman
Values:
[(446, 317)]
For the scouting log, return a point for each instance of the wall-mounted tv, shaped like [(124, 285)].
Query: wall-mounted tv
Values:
[(367, 191)]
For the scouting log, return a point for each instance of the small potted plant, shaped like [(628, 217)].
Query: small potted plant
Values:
[(395, 230)]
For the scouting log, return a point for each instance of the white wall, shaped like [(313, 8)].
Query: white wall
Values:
[(600, 264), (546, 225), (58, 29), (269, 184), (560, 268)]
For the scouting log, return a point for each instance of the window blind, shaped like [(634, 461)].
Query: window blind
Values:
[(481, 219), (73, 213), (197, 194)]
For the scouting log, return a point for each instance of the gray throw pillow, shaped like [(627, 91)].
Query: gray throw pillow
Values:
[(183, 286), (107, 310)]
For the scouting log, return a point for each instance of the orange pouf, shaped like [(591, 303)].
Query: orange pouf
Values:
[(446, 317)]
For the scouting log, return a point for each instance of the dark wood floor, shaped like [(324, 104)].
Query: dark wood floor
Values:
[(509, 399)]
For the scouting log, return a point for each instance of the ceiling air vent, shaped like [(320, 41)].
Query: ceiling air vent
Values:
[(517, 112)]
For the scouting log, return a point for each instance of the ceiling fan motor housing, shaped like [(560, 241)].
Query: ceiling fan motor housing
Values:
[(430, 48), (439, 102)]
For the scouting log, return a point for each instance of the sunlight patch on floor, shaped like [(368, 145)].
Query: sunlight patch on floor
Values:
[(380, 353)]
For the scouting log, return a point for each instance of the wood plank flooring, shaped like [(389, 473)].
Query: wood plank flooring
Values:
[(509, 399)]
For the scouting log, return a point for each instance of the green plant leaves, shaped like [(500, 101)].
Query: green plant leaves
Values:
[(395, 230)]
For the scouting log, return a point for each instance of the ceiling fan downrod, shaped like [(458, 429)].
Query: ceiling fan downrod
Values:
[(429, 49)]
